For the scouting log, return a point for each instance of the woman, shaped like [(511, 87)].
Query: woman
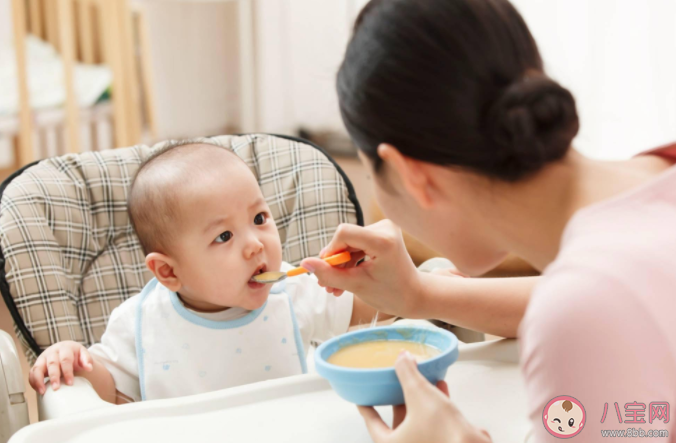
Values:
[(469, 144)]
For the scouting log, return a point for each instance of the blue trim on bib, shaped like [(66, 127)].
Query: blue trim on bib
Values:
[(213, 324), (152, 284), (297, 337)]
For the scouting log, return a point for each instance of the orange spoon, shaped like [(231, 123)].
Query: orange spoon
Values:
[(277, 276)]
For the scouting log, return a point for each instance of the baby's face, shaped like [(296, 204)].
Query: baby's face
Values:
[(225, 236), (562, 422)]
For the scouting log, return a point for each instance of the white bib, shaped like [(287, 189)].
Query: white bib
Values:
[(180, 353)]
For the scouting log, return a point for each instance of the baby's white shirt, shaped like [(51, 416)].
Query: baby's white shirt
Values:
[(319, 316)]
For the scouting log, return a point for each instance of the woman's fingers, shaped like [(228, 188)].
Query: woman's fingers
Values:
[(377, 428), (329, 276), (398, 415), (407, 371), (330, 290), (412, 381), (387, 280), (355, 257), (353, 238), (428, 415), (54, 369), (372, 240), (66, 360), (443, 387)]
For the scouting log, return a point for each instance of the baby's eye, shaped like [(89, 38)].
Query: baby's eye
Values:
[(224, 237), (556, 419), (571, 422), (260, 218)]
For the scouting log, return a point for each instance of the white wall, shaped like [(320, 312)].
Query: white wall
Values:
[(6, 41), (619, 59), (300, 44), (617, 56), (195, 64), (5, 23)]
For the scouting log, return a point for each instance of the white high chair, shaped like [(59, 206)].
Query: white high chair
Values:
[(13, 407), (482, 382), (68, 257)]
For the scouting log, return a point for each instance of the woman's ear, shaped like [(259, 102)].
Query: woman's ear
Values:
[(414, 176), (163, 269)]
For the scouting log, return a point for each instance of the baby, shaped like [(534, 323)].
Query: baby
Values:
[(201, 324)]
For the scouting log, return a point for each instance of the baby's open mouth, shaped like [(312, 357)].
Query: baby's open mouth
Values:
[(560, 430), (259, 270)]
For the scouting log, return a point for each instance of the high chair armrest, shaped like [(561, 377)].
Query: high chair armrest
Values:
[(13, 406), (69, 400)]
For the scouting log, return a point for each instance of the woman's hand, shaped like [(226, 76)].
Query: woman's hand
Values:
[(429, 415), (388, 280), (63, 358)]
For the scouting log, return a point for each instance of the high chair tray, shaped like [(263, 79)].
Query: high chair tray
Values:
[(485, 383)]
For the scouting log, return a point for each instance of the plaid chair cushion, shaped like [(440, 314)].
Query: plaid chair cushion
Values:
[(70, 255)]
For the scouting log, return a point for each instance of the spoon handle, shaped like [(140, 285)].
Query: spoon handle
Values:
[(334, 260)]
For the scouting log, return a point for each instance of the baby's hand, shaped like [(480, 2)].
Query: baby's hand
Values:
[(63, 358)]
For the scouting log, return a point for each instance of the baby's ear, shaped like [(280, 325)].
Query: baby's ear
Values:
[(163, 269)]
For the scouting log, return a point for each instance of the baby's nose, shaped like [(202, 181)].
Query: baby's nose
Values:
[(252, 248)]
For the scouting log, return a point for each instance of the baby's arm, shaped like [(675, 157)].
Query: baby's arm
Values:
[(70, 359), (363, 313)]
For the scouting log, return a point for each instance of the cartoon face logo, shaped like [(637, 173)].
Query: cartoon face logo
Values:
[(563, 416)]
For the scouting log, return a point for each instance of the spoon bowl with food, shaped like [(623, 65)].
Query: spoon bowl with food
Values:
[(272, 277)]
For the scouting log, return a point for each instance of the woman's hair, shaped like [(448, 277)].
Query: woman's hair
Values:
[(453, 82)]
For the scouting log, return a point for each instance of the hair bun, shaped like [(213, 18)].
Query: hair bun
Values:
[(532, 122)]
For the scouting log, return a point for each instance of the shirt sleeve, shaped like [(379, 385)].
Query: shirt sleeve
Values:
[(320, 315), (577, 340), (117, 349)]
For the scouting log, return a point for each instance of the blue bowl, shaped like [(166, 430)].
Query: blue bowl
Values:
[(374, 387)]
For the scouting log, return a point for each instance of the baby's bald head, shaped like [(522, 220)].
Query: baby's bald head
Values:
[(163, 181)]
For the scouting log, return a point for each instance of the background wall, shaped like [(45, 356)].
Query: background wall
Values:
[(5, 23), (5, 42), (196, 76), (619, 59), (300, 45), (617, 56)]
